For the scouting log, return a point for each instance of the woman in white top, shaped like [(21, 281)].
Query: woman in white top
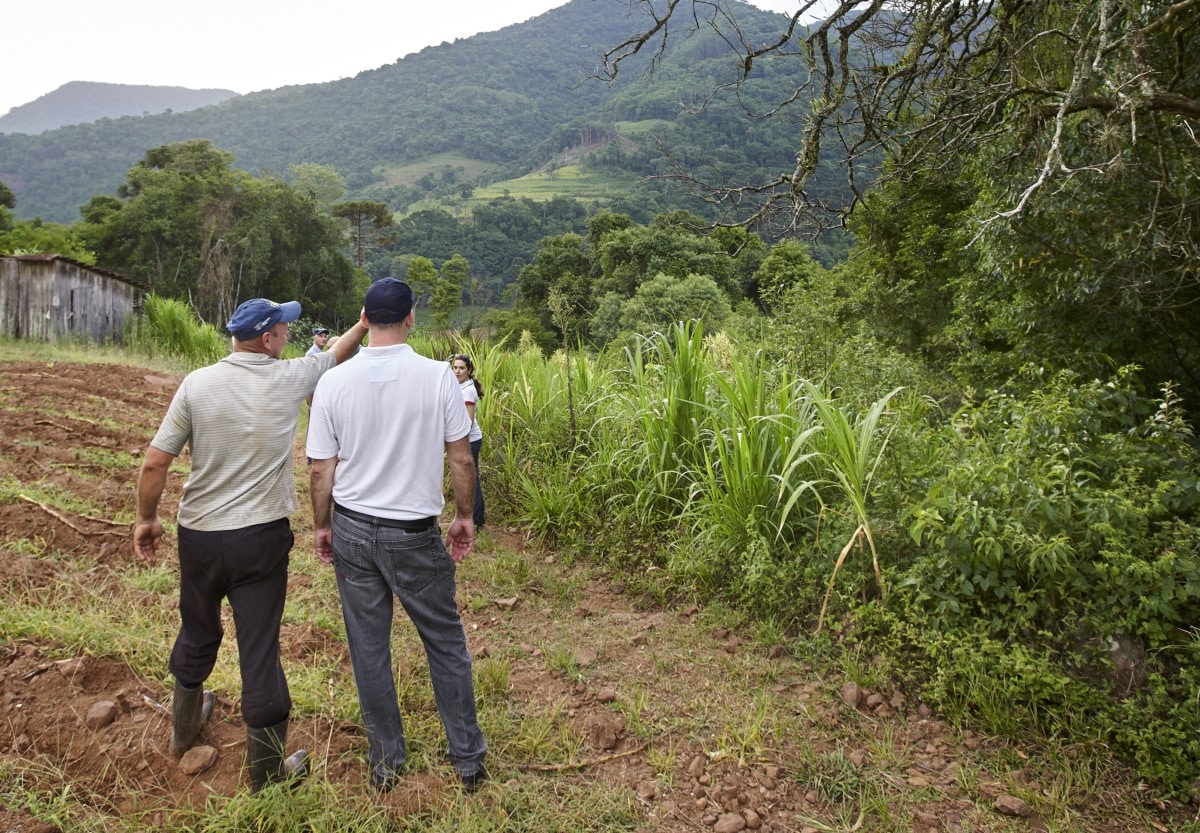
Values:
[(464, 371)]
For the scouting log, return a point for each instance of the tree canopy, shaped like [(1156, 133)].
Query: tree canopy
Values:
[(367, 218), (191, 226)]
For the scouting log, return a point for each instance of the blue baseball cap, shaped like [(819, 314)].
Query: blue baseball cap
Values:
[(256, 316), (388, 301)]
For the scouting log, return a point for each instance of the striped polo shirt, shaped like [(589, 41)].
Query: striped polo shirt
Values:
[(239, 418)]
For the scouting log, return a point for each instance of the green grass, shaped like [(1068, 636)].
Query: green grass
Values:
[(70, 352), (14, 490), (83, 610)]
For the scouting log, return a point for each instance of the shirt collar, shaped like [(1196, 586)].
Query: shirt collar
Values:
[(242, 357)]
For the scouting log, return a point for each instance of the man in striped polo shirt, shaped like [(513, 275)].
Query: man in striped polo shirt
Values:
[(239, 418)]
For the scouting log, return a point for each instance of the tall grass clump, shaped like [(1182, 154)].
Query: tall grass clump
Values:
[(654, 420), (851, 449), (692, 455), (751, 521), (540, 462), (171, 328)]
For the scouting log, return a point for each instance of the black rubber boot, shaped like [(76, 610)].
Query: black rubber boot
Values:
[(190, 707), (265, 760)]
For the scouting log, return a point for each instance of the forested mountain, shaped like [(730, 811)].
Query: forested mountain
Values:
[(81, 102), (511, 101)]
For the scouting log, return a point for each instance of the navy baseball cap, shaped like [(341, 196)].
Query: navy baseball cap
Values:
[(256, 316), (388, 301)]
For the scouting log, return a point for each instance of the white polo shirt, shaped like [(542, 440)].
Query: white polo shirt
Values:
[(471, 396), (387, 416)]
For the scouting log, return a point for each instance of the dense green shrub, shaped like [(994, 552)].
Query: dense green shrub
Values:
[(1058, 569), (1070, 510)]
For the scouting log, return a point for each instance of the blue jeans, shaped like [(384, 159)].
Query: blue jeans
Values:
[(373, 563), (478, 516)]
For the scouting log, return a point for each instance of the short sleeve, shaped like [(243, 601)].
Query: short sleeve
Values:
[(176, 428), (469, 394), (321, 442), (458, 421)]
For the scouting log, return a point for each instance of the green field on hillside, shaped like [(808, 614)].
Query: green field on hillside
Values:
[(567, 181), (638, 128), (409, 173)]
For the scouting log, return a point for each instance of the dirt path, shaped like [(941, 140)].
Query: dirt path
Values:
[(702, 727)]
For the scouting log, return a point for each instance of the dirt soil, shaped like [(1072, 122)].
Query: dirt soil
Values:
[(102, 725)]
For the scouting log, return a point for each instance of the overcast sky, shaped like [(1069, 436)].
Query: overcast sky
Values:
[(239, 45)]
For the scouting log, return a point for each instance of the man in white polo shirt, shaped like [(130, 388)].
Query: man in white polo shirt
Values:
[(239, 418), (380, 432)]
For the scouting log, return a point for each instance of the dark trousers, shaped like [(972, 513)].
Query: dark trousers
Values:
[(249, 567), (479, 515)]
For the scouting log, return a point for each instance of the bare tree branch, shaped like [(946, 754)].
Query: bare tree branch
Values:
[(1058, 88)]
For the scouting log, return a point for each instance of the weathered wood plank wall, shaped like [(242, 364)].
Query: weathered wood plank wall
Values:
[(47, 298)]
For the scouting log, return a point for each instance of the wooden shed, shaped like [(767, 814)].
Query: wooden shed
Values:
[(48, 297)]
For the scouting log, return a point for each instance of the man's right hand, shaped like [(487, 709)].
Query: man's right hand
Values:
[(323, 538), (145, 540)]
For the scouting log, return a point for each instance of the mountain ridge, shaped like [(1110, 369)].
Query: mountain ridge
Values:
[(513, 98), (83, 102)]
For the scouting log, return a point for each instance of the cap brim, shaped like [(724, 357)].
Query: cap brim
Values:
[(290, 310)]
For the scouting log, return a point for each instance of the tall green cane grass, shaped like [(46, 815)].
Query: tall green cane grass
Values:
[(705, 459), (172, 329), (527, 418), (736, 513), (656, 418), (529, 400), (851, 450)]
